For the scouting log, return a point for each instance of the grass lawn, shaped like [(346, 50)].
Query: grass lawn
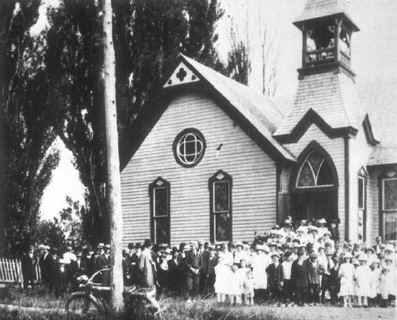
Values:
[(209, 310)]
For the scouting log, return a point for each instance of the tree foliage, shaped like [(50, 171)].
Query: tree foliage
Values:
[(238, 64), (148, 35), (26, 124)]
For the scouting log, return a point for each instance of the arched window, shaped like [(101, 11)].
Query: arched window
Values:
[(220, 186), (315, 171), (159, 192)]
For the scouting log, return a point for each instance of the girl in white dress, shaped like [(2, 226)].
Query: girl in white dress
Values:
[(346, 274), (235, 286), (247, 283), (363, 276), (387, 281)]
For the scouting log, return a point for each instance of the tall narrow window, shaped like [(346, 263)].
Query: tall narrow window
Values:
[(160, 211), (389, 207), (220, 186), (362, 205)]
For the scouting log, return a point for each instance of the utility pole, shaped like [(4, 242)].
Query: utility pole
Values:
[(112, 157)]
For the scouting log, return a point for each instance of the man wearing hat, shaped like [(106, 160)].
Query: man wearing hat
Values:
[(47, 267), (28, 268), (204, 255), (100, 260), (192, 261)]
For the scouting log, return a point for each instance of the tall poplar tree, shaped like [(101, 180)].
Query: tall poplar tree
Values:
[(25, 124), (148, 35)]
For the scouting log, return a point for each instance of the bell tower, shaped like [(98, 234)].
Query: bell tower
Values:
[(326, 37)]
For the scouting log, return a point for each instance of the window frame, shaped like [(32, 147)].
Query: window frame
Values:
[(363, 193), (383, 194), (159, 183), (315, 177), (198, 136), (223, 177), (386, 214)]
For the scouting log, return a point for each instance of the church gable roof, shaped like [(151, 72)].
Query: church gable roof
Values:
[(331, 96), (256, 114)]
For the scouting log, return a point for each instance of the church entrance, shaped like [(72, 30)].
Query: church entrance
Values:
[(314, 186)]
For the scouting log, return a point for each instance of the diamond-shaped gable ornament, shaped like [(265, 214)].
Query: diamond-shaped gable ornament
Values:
[(181, 75)]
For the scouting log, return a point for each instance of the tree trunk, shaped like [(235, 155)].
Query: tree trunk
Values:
[(112, 154)]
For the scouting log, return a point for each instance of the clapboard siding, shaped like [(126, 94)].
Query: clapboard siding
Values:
[(359, 154), (373, 202), (335, 148), (252, 171)]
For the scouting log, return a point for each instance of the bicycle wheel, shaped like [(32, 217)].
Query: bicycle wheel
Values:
[(81, 305)]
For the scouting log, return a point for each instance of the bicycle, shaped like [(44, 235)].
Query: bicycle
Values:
[(92, 299)]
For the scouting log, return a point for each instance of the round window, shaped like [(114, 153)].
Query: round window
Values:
[(189, 147)]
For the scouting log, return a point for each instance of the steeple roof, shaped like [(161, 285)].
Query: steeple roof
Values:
[(315, 9), (332, 96)]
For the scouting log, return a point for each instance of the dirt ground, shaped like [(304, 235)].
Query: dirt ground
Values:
[(181, 309)]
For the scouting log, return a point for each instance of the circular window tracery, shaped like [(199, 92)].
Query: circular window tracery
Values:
[(189, 147)]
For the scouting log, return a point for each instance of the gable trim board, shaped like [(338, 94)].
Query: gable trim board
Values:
[(369, 133), (312, 117)]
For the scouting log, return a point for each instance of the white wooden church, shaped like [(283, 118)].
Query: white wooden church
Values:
[(220, 162)]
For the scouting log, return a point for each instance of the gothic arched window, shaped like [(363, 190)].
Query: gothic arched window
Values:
[(315, 171)]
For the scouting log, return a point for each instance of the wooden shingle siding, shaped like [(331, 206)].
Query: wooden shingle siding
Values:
[(252, 171), (335, 148)]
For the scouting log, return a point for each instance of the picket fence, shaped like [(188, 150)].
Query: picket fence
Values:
[(11, 272)]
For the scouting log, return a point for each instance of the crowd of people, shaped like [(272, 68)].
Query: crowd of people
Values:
[(295, 264)]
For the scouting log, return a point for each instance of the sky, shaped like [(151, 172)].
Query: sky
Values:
[(374, 60)]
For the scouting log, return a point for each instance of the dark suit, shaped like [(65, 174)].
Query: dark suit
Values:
[(314, 280), (48, 271), (192, 279), (28, 270), (204, 263), (275, 278), (300, 281)]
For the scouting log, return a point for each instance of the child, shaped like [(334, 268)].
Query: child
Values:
[(247, 283), (275, 278), (363, 275), (314, 278), (286, 266), (346, 273), (235, 291)]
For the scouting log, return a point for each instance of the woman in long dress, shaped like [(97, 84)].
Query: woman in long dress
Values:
[(260, 262), (374, 282), (346, 274), (223, 274)]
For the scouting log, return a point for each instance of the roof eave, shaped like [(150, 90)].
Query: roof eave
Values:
[(303, 19)]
